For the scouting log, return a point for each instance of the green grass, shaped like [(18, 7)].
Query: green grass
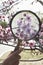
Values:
[(28, 55), (3, 24)]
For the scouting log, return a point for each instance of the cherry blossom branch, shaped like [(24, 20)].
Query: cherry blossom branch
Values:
[(41, 2), (8, 6)]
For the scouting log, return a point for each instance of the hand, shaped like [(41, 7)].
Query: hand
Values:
[(13, 58)]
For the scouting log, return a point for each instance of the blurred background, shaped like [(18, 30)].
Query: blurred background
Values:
[(7, 9)]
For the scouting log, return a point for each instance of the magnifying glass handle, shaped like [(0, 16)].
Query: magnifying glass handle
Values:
[(17, 47)]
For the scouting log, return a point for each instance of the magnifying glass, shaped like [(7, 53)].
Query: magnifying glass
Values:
[(25, 25)]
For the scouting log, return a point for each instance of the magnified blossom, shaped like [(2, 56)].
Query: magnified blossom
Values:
[(22, 34), (19, 23), (27, 25)]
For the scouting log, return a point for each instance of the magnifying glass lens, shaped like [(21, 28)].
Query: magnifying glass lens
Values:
[(25, 25)]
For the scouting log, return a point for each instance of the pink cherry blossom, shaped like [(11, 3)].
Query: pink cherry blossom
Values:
[(2, 34), (0, 27), (31, 44), (41, 41), (5, 33), (8, 29), (10, 33)]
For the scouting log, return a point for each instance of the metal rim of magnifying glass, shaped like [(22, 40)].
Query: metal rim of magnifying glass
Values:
[(25, 11)]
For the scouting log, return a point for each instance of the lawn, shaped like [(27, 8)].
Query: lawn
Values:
[(31, 55)]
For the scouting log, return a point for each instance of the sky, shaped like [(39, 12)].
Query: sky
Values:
[(35, 7)]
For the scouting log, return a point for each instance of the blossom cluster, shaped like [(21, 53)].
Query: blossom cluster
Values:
[(5, 33), (6, 5)]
